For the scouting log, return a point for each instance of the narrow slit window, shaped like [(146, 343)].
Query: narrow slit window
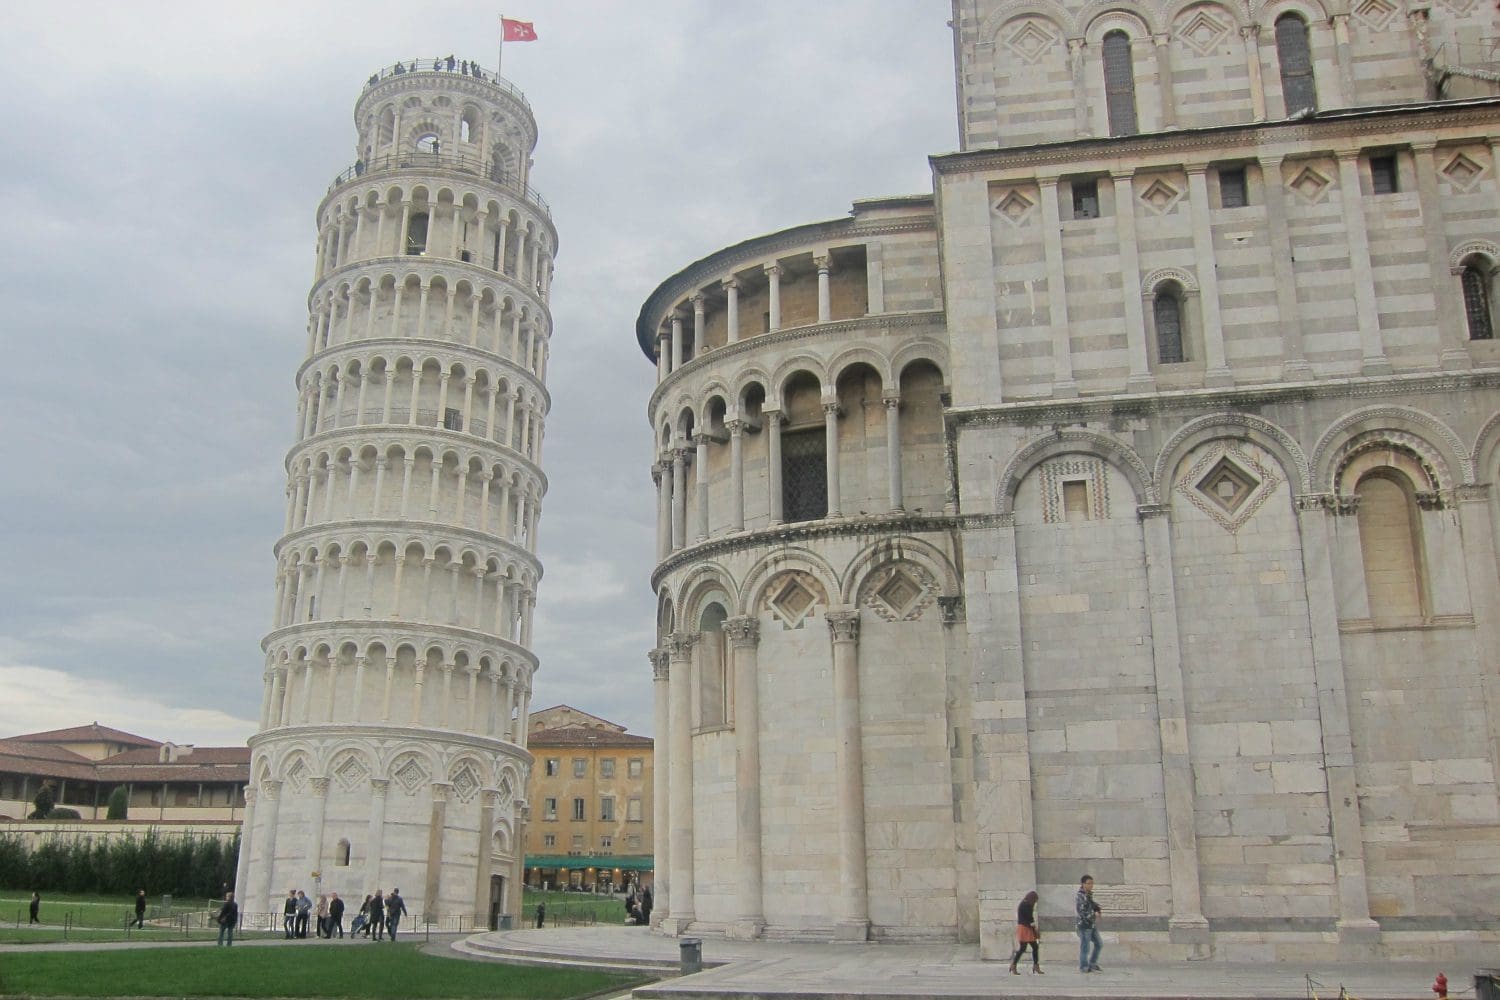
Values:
[(1167, 311), (1085, 199), (1383, 176), (1119, 84), (1298, 89), (1476, 286), (1233, 192)]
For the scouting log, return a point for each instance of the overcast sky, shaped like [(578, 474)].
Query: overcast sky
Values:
[(161, 167)]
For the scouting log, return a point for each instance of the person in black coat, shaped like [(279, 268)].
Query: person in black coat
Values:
[(377, 915), (289, 913), (335, 915), (36, 907), (140, 908), (1027, 934), (395, 909), (229, 918)]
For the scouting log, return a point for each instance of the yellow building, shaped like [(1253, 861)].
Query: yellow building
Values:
[(590, 796)]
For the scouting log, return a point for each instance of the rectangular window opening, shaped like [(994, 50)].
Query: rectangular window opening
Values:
[(1383, 178), (1076, 500), (453, 419), (579, 811), (1085, 199), (1233, 192)]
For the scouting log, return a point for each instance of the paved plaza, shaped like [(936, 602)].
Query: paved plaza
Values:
[(744, 970)]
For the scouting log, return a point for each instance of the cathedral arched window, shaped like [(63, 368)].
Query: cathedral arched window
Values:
[(1390, 542), (1298, 89), (1166, 311), (1477, 280), (1119, 84)]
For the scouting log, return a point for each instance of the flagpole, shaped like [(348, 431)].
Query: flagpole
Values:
[(500, 49)]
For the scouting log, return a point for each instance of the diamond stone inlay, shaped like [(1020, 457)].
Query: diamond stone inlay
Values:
[(1375, 13), (411, 775), (1031, 41), (1228, 485), (1202, 33), (1160, 196), (1463, 172), (1014, 207), (899, 592), (1310, 184), (465, 783), (297, 775), (351, 773), (793, 600)]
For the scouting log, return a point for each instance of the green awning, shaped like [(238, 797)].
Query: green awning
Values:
[(628, 862)]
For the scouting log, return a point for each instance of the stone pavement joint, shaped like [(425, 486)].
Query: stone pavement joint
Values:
[(762, 970)]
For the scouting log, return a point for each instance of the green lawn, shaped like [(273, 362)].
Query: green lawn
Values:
[(82, 911), (368, 971)]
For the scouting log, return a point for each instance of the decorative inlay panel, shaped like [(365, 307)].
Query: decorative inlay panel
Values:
[(1203, 32), (1160, 196), (1056, 473), (1229, 484), (465, 783), (1462, 172), (792, 596), (1310, 185), (898, 592), (351, 773), (1031, 40), (410, 774), (1375, 13), (1015, 208)]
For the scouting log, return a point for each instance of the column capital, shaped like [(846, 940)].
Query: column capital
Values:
[(1146, 511), (440, 790), (1308, 502), (698, 300), (843, 626), (891, 400), (772, 270), (272, 788), (1250, 31), (1077, 45), (1472, 493), (731, 284), (680, 644), (1161, 38), (251, 794), (742, 631), (490, 798), (1345, 504), (823, 262), (952, 609), (660, 666), (831, 406), (735, 426)]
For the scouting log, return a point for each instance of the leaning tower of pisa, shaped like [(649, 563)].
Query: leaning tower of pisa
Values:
[(392, 742)]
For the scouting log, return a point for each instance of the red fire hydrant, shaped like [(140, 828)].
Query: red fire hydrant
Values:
[(1440, 987)]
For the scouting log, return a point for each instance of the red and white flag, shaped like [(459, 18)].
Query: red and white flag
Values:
[(517, 31)]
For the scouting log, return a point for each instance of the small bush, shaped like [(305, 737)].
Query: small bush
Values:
[(119, 803)]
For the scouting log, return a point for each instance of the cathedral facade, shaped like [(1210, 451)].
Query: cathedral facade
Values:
[(392, 748), (1124, 507)]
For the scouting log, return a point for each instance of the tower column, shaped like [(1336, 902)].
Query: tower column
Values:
[(854, 908), (731, 288), (736, 474), (661, 812), (744, 640), (680, 650)]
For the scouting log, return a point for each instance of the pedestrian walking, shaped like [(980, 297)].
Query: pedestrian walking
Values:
[(229, 916), (1027, 933), (1087, 912), (140, 908), (289, 913), (395, 909), (377, 915), (36, 908), (541, 915)]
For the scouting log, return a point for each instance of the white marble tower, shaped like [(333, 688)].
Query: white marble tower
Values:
[(392, 749)]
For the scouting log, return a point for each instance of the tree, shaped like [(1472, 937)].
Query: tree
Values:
[(45, 801), (119, 803)]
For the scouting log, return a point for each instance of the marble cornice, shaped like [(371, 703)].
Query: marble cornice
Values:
[(1246, 139), (784, 534), (403, 347), (337, 631), (393, 732), (1046, 411), (883, 321), (391, 433), (723, 262), (435, 532)]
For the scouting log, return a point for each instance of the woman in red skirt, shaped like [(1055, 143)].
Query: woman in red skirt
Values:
[(1026, 933)]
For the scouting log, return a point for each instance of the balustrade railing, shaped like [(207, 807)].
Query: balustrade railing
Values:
[(464, 163)]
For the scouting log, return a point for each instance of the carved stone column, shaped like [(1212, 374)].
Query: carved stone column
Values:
[(772, 419), (892, 401), (736, 474), (679, 498), (1361, 272), (731, 309), (700, 459), (1354, 923), (487, 802), (831, 439), (1063, 383), (824, 263), (376, 832), (319, 804), (1186, 922), (1216, 367), (248, 842), (853, 922), (773, 295), (661, 816), (1163, 42), (698, 344), (680, 649), (272, 792), (435, 824), (744, 640)]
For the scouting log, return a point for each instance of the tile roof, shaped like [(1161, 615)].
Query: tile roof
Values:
[(87, 734), (583, 736)]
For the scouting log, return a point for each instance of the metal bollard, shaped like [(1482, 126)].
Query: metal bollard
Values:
[(1487, 984), (690, 958)]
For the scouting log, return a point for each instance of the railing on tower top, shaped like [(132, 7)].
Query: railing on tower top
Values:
[(1478, 57), (460, 162), (447, 64)]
